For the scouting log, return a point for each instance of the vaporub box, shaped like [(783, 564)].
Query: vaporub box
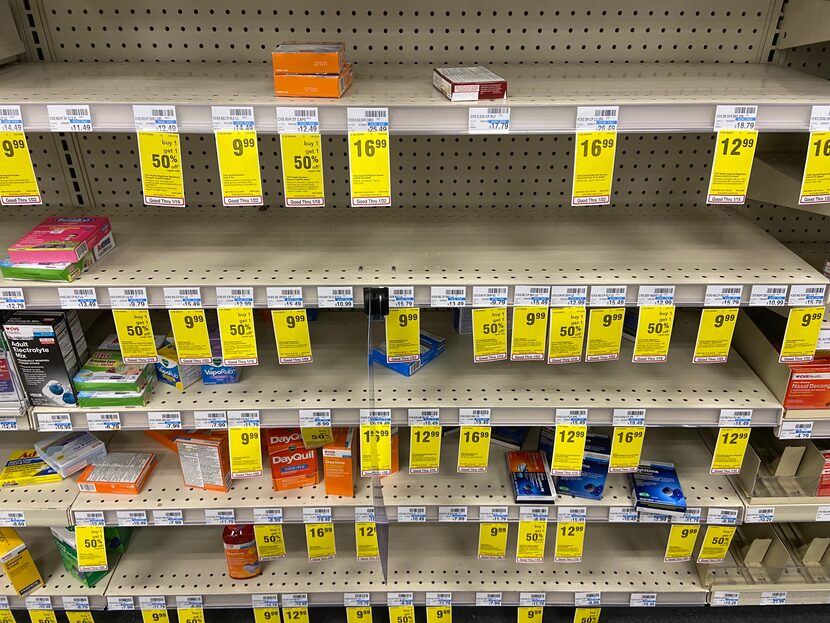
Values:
[(42, 347), (63, 239), (68, 453), (17, 562), (340, 462), (171, 372)]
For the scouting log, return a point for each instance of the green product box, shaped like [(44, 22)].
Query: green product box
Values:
[(117, 398), (66, 272), (105, 371), (117, 540)]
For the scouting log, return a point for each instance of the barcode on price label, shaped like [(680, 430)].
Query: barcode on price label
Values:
[(806, 296), (474, 417), (531, 295), (568, 296), (284, 298), (735, 117), (71, 118), (78, 298), (608, 296), (131, 518), (54, 422), (795, 430), (292, 120), (597, 119), (342, 297), (448, 297), (491, 296), (367, 119), (13, 519), (182, 298), (12, 298), (723, 296), (230, 118), (128, 298), (155, 118), (490, 120), (768, 296), (402, 296), (234, 297), (655, 295)]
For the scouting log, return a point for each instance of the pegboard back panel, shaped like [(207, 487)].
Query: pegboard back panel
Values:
[(450, 172), (788, 225), (488, 31)]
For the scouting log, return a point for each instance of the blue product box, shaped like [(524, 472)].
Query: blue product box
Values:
[(431, 346), (511, 437), (598, 444), (590, 484), (214, 373), (530, 476), (547, 435), (657, 489)]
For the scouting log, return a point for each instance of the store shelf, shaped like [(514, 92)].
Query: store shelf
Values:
[(518, 393), (653, 97), (684, 448), (171, 562), (165, 490), (58, 582), (776, 179), (616, 562)]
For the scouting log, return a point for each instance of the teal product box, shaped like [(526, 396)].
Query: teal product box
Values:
[(431, 346), (170, 371)]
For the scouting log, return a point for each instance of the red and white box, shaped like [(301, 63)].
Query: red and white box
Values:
[(469, 84)]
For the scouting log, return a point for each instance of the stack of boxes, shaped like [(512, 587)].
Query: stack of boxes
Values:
[(311, 70)]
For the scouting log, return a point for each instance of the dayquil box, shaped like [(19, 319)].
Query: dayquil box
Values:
[(294, 468), (809, 385), (17, 562), (205, 460), (281, 439), (340, 462)]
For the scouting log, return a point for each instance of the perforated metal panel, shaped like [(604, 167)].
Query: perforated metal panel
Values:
[(489, 31)]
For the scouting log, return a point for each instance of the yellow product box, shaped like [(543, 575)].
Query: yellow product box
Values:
[(17, 562), (25, 468)]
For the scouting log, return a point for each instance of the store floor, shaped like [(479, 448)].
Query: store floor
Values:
[(754, 614)]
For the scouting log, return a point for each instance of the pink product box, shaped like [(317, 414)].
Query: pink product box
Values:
[(63, 239)]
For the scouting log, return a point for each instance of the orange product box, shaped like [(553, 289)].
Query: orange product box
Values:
[(167, 438), (313, 85), (809, 385), (281, 439), (118, 472), (292, 469), (309, 58), (339, 463), (205, 460)]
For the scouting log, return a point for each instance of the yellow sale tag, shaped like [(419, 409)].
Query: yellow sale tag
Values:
[(154, 616), (236, 330), (246, 452), (570, 536), (729, 180), (366, 539), (714, 335), (530, 328), (270, 542), (316, 436), (489, 334), (815, 184), (654, 326), (567, 329), (403, 334), (92, 551), (319, 538), (191, 335), (161, 168), (531, 544), (605, 327), (302, 170), (369, 169), (375, 449), (473, 449), (43, 616), (681, 543), (716, 543), (492, 541), (18, 182), (626, 448), (530, 614), (424, 449), (135, 335), (568, 448), (439, 614), (191, 615), (239, 168), (401, 614), (586, 615), (79, 616), (6, 616), (291, 333), (593, 168), (729, 451), (358, 614), (801, 334), (267, 615), (295, 615)]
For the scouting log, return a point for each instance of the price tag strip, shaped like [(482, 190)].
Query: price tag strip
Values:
[(245, 444), (135, 335), (403, 335), (160, 155), (315, 426), (401, 607), (801, 334), (570, 534), (495, 120), (424, 441), (716, 543), (69, 118), (270, 541), (366, 534), (474, 442), (654, 327), (18, 182), (569, 442), (191, 334), (605, 329), (594, 152), (375, 442), (238, 153), (292, 336), (734, 152), (369, 174), (714, 335), (238, 336), (533, 527), (729, 451), (489, 334), (302, 157), (567, 331), (681, 543), (815, 183), (90, 544)]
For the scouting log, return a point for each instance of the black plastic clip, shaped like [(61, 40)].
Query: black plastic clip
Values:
[(376, 302)]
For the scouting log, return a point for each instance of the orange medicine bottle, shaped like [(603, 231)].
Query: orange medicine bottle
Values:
[(240, 551)]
